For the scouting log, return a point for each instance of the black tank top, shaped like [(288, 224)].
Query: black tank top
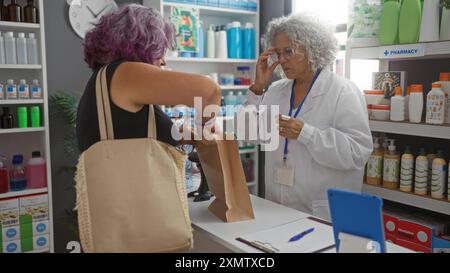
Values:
[(126, 124)]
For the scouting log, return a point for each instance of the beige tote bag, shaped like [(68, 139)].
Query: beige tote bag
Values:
[(131, 194)]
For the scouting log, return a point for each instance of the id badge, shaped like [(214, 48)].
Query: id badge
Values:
[(284, 175)]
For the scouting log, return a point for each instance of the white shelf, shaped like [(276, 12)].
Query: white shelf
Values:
[(22, 193), (251, 184), (21, 130), (21, 66), (248, 151), (412, 129), (234, 87), (30, 101), (433, 50), (411, 199), (210, 60), (214, 11), (13, 26)]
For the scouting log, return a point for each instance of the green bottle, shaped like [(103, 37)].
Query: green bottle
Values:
[(410, 21), (22, 117), (35, 114), (389, 23)]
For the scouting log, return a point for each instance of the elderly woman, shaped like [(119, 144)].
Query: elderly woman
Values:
[(325, 136)]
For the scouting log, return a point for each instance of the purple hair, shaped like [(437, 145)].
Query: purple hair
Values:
[(132, 33)]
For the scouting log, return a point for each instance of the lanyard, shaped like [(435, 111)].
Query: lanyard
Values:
[(286, 142)]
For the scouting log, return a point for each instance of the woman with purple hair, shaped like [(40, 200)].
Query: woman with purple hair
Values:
[(133, 41)]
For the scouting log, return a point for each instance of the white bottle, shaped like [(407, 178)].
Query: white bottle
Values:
[(36, 90), (217, 41), (398, 105), (11, 90), (211, 42), (439, 175), (421, 174), (2, 49), (408, 93), (416, 103), (444, 80), (22, 55), (10, 48), (32, 49), (23, 90), (223, 44), (407, 171), (436, 105)]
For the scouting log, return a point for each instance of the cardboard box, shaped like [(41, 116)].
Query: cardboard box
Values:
[(10, 234), (390, 238), (9, 212), (33, 208), (10, 247), (414, 247), (388, 81), (34, 229), (441, 245), (390, 224), (35, 243)]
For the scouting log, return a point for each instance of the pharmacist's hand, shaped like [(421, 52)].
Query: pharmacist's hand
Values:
[(291, 128), (264, 72)]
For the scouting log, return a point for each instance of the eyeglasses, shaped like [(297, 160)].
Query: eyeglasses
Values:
[(288, 53)]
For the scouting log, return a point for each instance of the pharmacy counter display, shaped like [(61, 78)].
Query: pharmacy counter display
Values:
[(269, 216)]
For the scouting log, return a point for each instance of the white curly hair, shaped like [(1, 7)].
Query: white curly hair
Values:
[(309, 30)]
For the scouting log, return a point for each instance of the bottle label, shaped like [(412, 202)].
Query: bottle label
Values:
[(435, 108), (391, 170), (375, 166), (438, 180), (2, 93), (421, 175), (407, 172), (36, 92), (24, 92), (11, 92)]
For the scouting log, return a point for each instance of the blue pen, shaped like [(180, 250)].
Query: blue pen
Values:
[(301, 235)]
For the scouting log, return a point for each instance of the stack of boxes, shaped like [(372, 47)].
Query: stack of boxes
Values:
[(418, 233), (24, 224)]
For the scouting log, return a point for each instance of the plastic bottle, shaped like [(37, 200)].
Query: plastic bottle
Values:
[(211, 42), (409, 22), (2, 92), (407, 171), (36, 171), (230, 99), (398, 105), (408, 94), (222, 45), (7, 119), (11, 90), (201, 41), (439, 175), (429, 27), (241, 98), (18, 181), (249, 168), (430, 156), (14, 12), (36, 90), (32, 49), (3, 11), (391, 167), (444, 80), (436, 105), (22, 54), (249, 41), (10, 48), (375, 165), (236, 46), (30, 13), (217, 41), (4, 180), (390, 14), (23, 90), (421, 173), (2, 49), (22, 117), (416, 103), (35, 117)]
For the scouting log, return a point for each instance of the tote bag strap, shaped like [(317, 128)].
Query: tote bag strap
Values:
[(151, 122), (100, 108)]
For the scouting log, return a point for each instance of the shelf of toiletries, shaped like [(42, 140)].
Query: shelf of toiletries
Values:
[(210, 60), (217, 9), (19, 50), (411, 199), (411, 129), (15, 194), (15, 26)]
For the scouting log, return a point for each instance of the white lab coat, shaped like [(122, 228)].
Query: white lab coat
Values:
[(332, 149)]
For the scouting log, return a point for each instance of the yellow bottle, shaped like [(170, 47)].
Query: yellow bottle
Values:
[(421, 175), (439, 176), (391, 167), (407, 171), (374, 174)]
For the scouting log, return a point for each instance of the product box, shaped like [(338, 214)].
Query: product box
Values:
[(34, 229), (388, 81), (441, 244), (9, 212), (33, 208), (391, 238), (224, 3), (9, 233), (10, 247), (412, 246), (390, 224), (35, 243), (213, 3)]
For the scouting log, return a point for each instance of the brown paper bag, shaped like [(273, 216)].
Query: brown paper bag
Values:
[(222, 166)]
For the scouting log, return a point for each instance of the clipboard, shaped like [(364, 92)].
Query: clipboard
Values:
[(358, 215), (276, 239)]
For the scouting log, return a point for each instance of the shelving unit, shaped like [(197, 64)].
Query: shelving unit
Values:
[(234, 87), (386, 55), (206, 66), (24, 141)]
